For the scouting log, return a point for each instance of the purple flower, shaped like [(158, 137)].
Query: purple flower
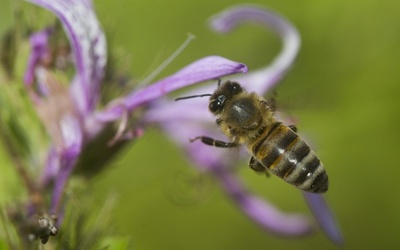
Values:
[(191, 119), (69, 112)]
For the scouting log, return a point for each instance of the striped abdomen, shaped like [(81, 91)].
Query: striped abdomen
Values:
[(286, 155)]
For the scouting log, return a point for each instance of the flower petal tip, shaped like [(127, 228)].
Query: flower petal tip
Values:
[(325, 217)]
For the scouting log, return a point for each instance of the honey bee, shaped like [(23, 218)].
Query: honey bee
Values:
[(248, 119)]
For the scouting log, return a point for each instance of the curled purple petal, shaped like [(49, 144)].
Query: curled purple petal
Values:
[(260, 211), (262, 80), (88, 44), (208, 68), (324, 217)]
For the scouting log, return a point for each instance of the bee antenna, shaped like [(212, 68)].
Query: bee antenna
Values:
[(191, 96)]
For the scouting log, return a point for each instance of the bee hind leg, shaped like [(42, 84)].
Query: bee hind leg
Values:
[(257, 166), (216, 143), (293, 127)]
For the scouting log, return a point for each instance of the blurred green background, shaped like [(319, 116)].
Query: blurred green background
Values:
[(343, 89)]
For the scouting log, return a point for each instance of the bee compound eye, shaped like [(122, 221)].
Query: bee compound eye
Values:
[(236, 88), (214, 106)]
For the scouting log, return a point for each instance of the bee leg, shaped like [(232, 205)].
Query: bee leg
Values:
[(272, 104), (257, 166), (293, 127), (216, 143)]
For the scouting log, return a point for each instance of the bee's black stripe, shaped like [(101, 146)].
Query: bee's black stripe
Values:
[(302, 151), (262, 131), (274, 126), (320, 183), (278, 143), (283, 163), (308, 169), (296, 154), (285, 154)]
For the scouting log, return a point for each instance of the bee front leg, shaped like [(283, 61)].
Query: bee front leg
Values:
[(269, 104), (257, 166), (216, 143)]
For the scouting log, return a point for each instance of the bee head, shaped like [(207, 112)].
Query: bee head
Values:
[(224, 92)]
